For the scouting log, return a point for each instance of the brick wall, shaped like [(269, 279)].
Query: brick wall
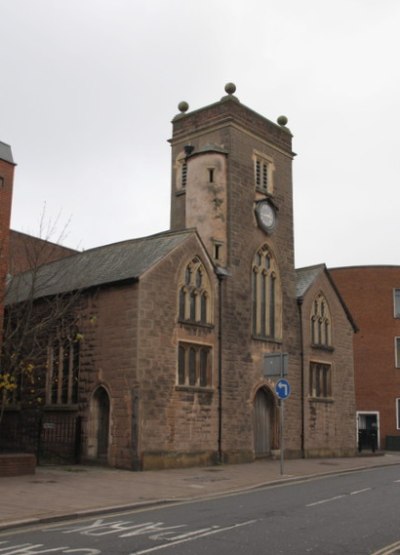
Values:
[(16, 464), (6, 190), (368, 292), (27, 252)]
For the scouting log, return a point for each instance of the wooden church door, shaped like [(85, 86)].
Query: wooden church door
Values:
[(263, 424)]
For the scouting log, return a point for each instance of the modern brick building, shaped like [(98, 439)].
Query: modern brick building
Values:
[(372, 293), (183, 335), (6, 190), (27, 252)]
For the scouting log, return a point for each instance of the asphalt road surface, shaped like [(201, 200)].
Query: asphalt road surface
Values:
[(355, 513)]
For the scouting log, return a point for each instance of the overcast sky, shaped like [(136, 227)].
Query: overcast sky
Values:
[(89, 88)]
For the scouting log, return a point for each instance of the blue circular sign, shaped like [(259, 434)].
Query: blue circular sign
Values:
[(282, 389)]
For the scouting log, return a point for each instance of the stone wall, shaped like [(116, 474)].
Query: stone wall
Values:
[(178, 424), (240, 132), (330, 423)]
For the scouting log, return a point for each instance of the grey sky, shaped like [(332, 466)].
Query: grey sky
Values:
[(89, 87)]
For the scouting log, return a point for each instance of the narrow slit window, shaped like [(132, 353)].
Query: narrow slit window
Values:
[(263, 172), (184, 175)]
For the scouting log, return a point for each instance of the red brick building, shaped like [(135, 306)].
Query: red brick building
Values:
[(184, 334), (372, 293), (27, 252), (6, 190)]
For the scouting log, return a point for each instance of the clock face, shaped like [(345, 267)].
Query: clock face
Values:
[(266, 216)]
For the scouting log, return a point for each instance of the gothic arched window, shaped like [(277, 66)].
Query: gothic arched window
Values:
[(194, 298), (63, 368), (321, 322), (266, 296)]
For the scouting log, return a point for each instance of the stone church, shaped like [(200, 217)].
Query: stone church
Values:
[(183, 335)]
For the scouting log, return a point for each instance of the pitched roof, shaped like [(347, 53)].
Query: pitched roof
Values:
[(126, 260), (305, 277)]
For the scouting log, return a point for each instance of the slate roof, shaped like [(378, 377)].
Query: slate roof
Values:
[(305, 277), (123, 261), (5, 153)]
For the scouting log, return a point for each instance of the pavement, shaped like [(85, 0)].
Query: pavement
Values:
[(56, 493)]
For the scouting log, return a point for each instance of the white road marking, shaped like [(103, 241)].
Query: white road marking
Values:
[(217, 531), (337, 497), (360, 491), (32, 549), (325, 500)]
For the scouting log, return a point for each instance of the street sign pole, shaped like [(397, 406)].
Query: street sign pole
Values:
[(282, 389), (281, 433)]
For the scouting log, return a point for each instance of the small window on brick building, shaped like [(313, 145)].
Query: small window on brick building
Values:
[(320, 380), (1, 182), (396, 302), (397, 351), (194, 365), (211, 175)]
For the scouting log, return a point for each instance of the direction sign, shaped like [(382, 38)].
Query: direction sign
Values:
[(282, 389)]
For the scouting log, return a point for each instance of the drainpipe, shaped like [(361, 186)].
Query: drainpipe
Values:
[(221, 275), (302, 439)]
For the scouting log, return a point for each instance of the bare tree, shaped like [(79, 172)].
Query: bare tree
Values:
[(34, 312)]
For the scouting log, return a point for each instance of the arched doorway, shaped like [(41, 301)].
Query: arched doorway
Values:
[(99, 424), (263, 425)]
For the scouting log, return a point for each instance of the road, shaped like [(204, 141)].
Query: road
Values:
[(355, 513)]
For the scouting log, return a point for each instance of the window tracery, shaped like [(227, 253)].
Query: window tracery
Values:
[(321, 322), (194, 294), (266, 296)]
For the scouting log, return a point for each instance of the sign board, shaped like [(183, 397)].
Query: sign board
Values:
[(275, 364), (282, 389)]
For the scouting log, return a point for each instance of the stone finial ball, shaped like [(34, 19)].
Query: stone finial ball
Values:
[(183, 106), (282, 120), (230, 88)]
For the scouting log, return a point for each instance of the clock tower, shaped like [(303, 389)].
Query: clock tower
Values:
[(232, 182)]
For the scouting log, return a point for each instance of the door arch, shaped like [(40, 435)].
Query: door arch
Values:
[(99, 426), (264, 423)]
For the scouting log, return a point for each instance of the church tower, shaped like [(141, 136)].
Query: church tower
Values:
[(232, 181)]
